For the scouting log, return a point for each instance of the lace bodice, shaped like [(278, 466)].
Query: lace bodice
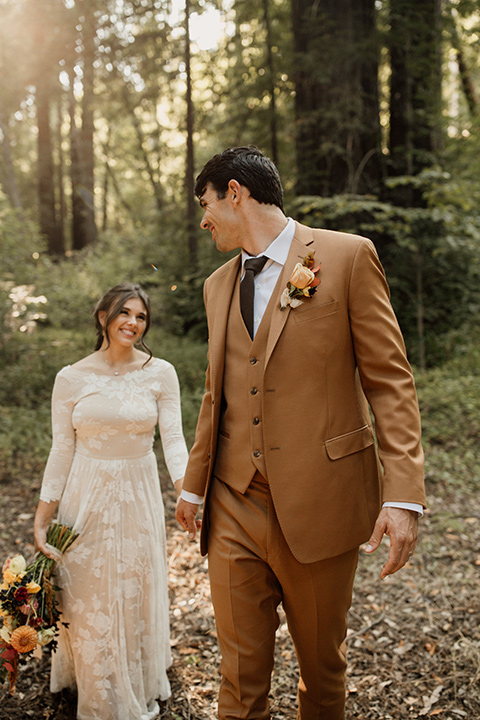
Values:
[(113, 417)]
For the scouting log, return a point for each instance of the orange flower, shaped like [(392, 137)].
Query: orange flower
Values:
[(24, 639), (301, 276), (9, 576)]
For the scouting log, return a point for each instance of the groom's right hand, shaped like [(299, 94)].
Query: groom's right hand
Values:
[(185, 514)]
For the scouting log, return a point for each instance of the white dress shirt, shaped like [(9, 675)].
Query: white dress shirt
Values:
[(265, 281)]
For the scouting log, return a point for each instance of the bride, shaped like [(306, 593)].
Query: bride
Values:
[(101, 478)]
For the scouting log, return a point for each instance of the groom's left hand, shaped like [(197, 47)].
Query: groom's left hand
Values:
[(402, 528)]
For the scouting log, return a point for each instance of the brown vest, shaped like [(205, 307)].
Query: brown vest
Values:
[(240, 448)]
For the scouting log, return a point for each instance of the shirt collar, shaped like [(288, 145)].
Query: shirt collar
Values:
[(279, 248)]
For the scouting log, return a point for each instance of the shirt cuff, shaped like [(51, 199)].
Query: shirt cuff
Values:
[(405, 506), (191, 497)]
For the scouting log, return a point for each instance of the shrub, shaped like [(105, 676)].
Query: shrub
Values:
[(24, 442), (450, 406)]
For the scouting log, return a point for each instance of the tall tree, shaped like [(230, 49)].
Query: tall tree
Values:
[(468, 85), (415, 116), (11, 92), (415, 84), (83, 196), (8, 180), (60, 164), (338, 139), (271, 81), (190, 162), (46, 32), (49, 226)]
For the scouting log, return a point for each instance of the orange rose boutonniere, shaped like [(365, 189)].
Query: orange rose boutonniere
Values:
[(302, 284)]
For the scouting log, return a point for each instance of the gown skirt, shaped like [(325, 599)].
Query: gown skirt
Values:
[(114, 597)]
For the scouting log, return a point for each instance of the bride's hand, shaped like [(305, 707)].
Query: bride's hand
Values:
[(43, 516)]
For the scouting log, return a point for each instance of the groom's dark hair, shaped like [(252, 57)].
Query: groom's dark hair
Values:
[(249, 167)]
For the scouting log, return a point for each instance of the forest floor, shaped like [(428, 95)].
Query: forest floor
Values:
[(414, 639)]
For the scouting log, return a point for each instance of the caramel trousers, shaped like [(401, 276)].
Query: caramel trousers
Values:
[(251, 572)]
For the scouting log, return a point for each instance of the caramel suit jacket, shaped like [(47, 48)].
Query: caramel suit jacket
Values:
[(327, 361)]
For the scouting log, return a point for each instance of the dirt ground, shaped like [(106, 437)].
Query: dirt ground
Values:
[(414, 639)]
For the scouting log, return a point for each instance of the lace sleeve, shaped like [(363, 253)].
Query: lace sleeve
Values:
[(170, 424), (63, 441)]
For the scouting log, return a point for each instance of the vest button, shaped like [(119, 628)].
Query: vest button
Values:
[(256, 420), (253, 391), (253, 361), (256, 453)]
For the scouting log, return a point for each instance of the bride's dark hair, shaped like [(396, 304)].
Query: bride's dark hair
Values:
[(111, 303)]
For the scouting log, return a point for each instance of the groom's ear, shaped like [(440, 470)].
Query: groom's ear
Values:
[(238, 193)]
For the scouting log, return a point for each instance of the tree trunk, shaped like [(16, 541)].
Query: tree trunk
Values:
[(61, 205), (415, 85), (105, 198), (46, 174), (338, 139), (271, 83), (189, 174), (10, 182), (468, 87), (85, 206), (75, 176)]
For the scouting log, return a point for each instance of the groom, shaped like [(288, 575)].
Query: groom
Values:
[(302, 340)]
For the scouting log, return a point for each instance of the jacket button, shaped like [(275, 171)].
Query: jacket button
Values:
[(256, 453), (253, 361), (253, 391), (256, 421)]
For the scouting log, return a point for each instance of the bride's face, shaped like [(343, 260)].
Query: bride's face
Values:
[(128, 326)]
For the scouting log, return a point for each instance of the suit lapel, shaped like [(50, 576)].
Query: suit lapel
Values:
[(299, 248), (223, 291)]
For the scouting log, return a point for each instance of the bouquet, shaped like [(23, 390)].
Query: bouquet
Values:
[(28, 607)]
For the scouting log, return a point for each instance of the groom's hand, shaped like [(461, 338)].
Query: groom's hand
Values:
[(402, 527), (185, 515)]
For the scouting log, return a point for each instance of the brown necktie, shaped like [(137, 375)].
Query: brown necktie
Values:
[(252, 267)]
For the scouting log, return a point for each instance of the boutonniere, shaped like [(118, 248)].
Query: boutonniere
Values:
[(302, 284)]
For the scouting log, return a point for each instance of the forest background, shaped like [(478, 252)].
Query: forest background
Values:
[(108, 110)]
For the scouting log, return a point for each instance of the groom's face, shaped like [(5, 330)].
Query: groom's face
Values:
[(219, 217)]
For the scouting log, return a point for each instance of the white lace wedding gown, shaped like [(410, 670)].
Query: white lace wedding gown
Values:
[(113, 579)]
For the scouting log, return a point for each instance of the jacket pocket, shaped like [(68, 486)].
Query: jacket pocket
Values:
[(302, 314), (349, 443)]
